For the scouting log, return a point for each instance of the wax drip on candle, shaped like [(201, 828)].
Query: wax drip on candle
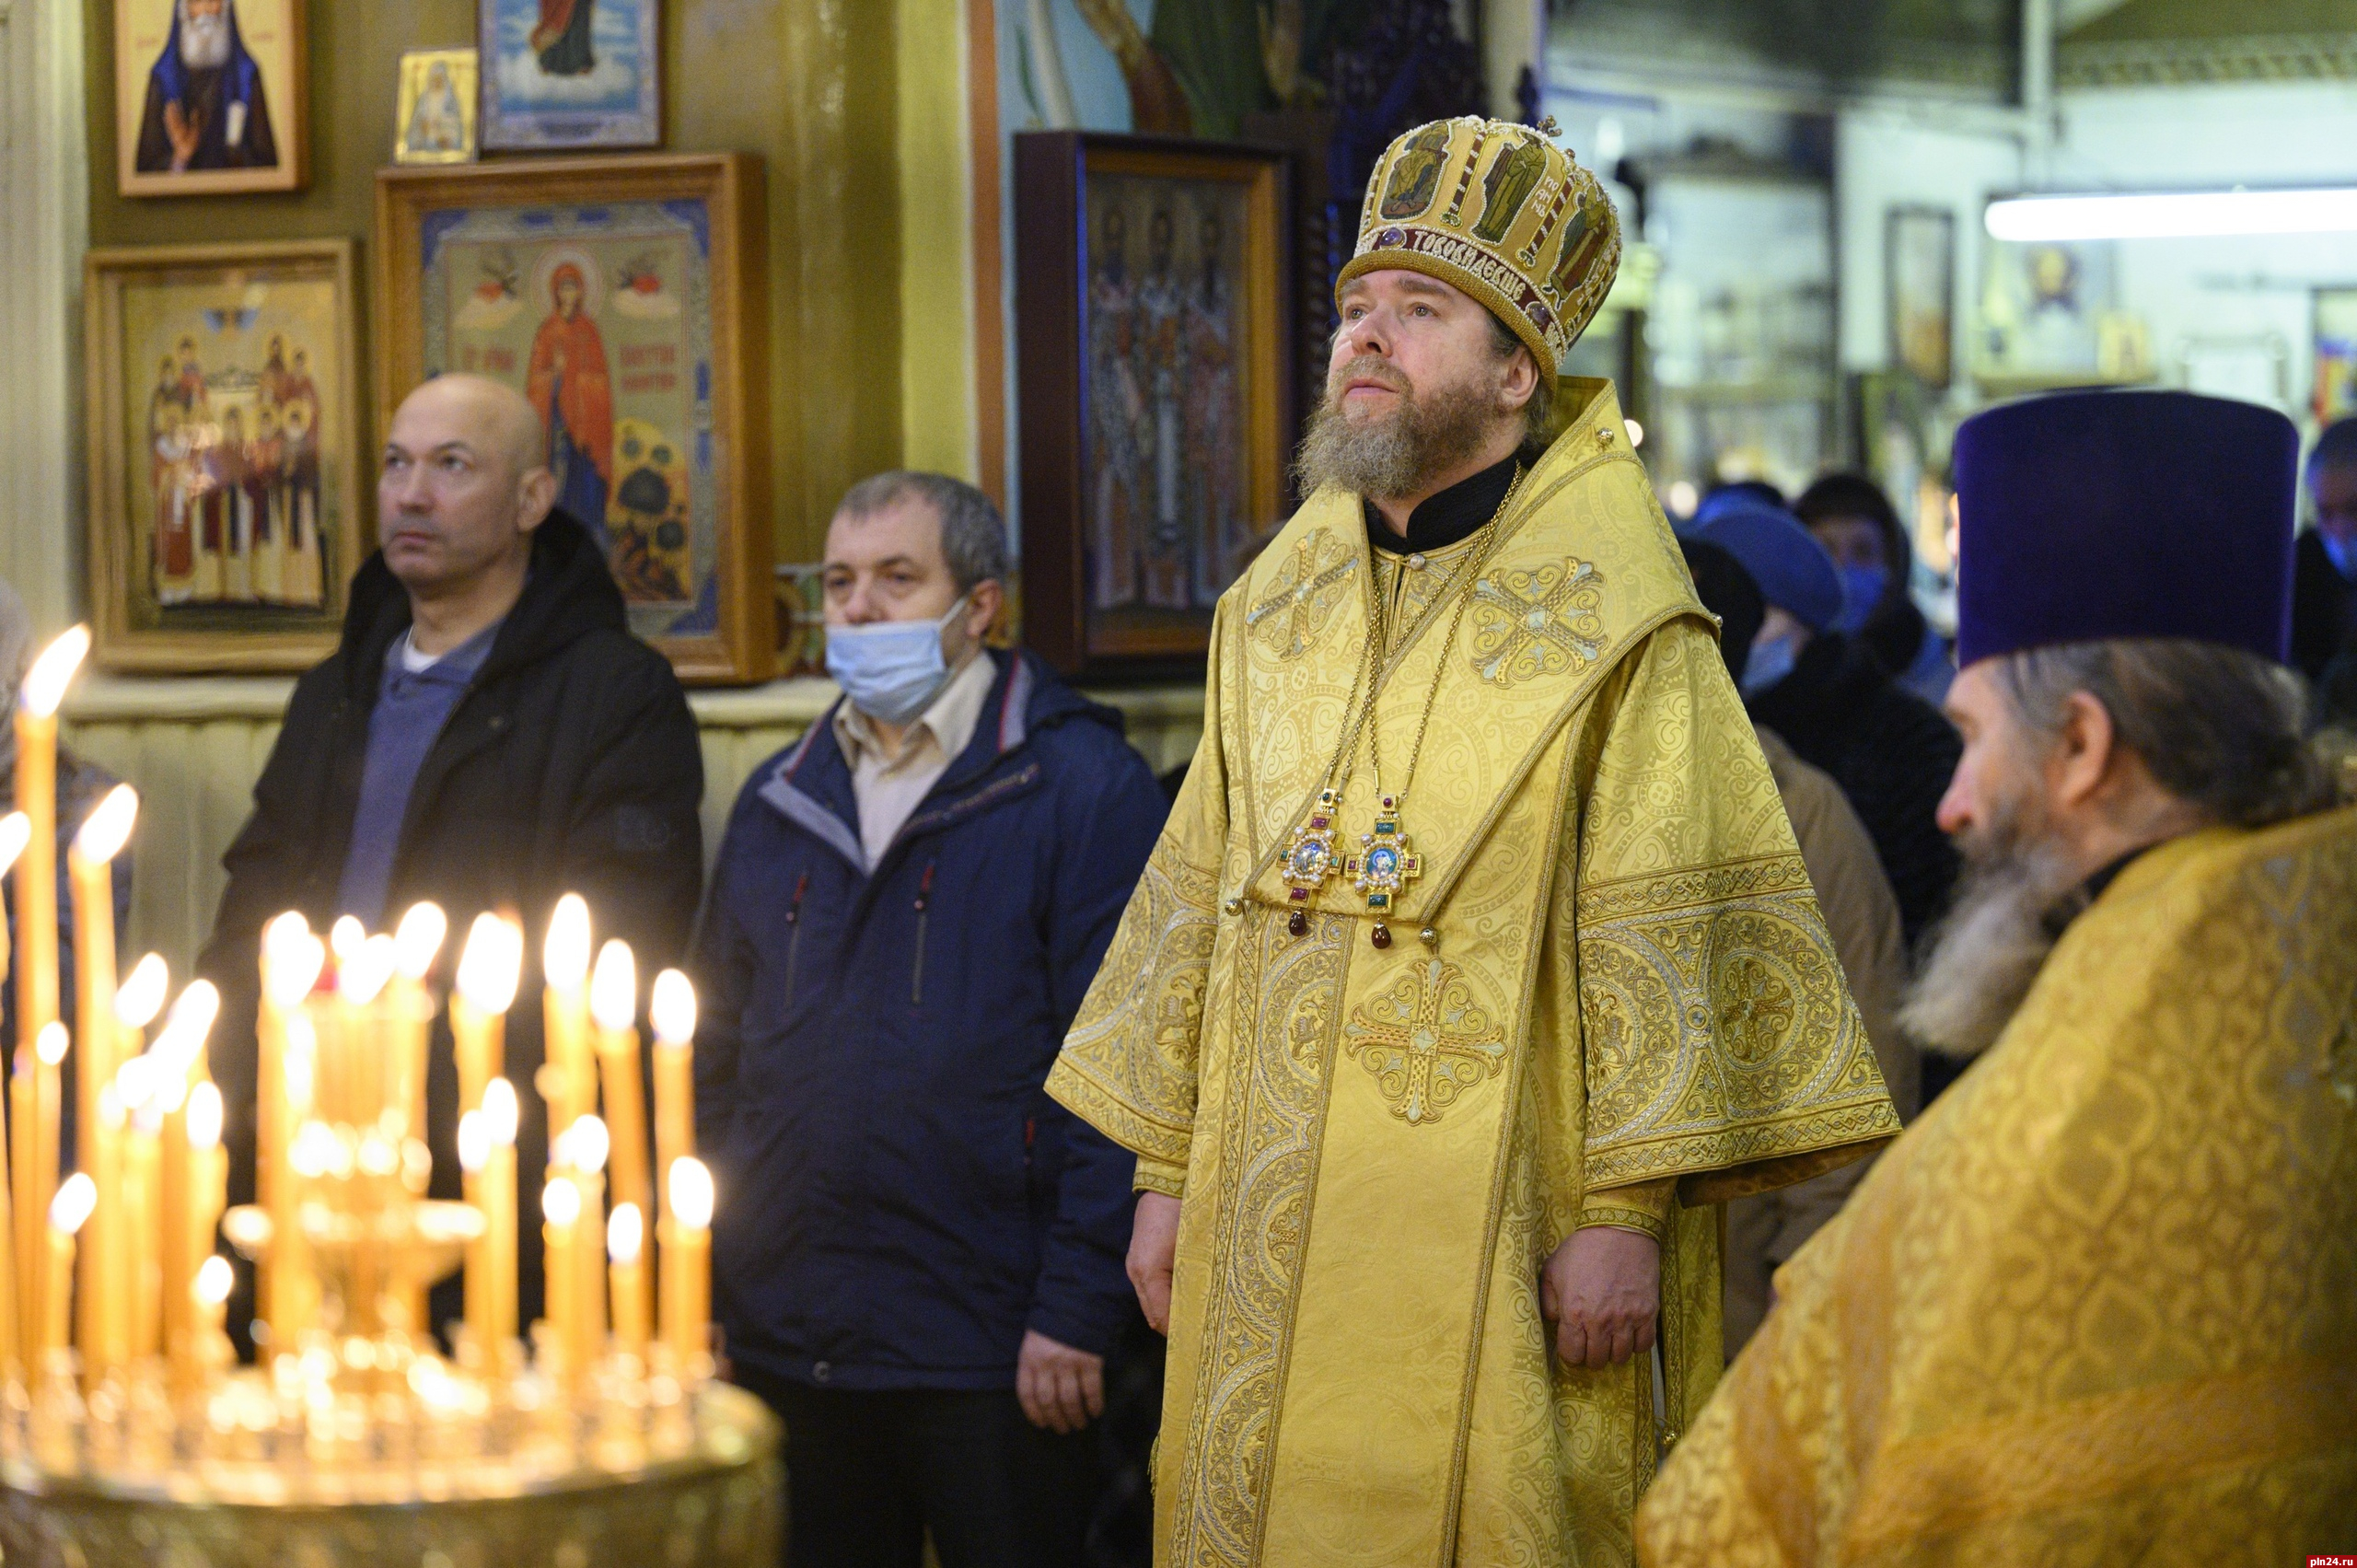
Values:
[(45, 682), (691, 1194), (15, 832), (626, 1234), (108, 827), (489, 964), (613, 989), (418, 939), (499, 1111), (671, 1008), (565, 957)]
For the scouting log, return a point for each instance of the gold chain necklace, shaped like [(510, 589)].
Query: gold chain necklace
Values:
[(1386, 862)]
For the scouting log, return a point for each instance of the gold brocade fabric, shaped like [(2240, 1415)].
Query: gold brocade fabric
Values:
[(1631, 997), (2101, 1304)]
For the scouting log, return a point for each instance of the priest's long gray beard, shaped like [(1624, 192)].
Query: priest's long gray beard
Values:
[(1396, 453), (2010, 909), (204, 41)]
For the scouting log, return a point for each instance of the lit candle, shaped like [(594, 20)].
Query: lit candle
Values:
[(36, 720), (14, 829), (614, 1002), (488, 970), (474, 1157), (687, 1265), (625, 1248), (671, 1007), (211, 1296), (561, 1215), (355, 1071), (208, 1168), (499, 1112), (134, 1266), (416, 943), (564, 966), (291, 962), (584, 1150), (49, 1104), (76, 1196), (176, 1056), (89, 867)]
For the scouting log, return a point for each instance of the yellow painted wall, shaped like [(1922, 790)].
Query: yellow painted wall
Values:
[(813, 85)]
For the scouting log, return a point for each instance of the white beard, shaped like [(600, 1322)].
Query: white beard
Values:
[(2010, 909), (205, 41)]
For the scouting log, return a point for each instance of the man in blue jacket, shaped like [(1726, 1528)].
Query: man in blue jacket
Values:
[(918, 1256)]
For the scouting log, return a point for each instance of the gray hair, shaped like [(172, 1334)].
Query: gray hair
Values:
[(2220, 727), (973, 535), (1539, 414)]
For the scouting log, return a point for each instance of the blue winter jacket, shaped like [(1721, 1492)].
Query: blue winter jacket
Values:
[(899, 1198)]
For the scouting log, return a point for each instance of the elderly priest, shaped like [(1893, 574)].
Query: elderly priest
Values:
[(1476, 963), (2101, 1304)]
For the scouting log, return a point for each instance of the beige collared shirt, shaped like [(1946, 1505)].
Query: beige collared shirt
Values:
[(889, 788)]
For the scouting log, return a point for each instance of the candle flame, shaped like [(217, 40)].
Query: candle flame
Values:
[(475, 1142), (315, 1150), (671, 1007), (45, 682), (499, 1111), (15, 832), (625, 1233), (137, 1081), (419, 938), (204, 1116), (76, 1196), (584, 1145), (345, 936), (561, 1203), (691, 1185), (189, 1021), (108, 827), (363, 974), (291, 964), (141, 996), (214, 1278), (565, 957), (51, 1043), (613, 989), (489, 964)]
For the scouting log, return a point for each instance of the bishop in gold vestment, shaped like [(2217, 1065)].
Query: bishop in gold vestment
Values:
[(2099, 1304), (1611, 1000)]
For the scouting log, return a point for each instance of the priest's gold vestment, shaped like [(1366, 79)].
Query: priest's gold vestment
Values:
[(1631, 1010), (2100, 1305)]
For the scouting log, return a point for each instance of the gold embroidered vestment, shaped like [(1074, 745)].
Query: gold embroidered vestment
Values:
[(1630, 1011), (2100, 1305)]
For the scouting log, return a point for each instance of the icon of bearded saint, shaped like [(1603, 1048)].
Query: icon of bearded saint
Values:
[(205, 108)]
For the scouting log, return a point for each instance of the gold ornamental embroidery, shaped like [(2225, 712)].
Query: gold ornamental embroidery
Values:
[(1289, 619), (1426, 1041), (1537, 623)]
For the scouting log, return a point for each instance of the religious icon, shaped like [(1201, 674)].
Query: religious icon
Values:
[(209, 96), (1919, 266), (614, 296), (570, 73), (437, 119), (2048, 318), (1181, 447), (225, 513)]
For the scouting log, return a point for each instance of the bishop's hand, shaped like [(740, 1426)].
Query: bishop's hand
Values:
[(1601, 1291), (1154, 1251), (183, 131)]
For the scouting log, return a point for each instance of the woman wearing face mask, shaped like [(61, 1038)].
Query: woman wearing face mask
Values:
[(1860, 529), (1833, 700)]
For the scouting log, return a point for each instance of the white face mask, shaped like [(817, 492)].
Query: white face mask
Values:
[(892, 670)]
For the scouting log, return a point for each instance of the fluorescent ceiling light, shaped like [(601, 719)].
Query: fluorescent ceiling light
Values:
[(2174, 214)]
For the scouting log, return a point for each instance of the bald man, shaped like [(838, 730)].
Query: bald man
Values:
[(489, 735)]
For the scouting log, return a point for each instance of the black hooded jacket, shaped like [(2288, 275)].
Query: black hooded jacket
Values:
[(1891, 752), (571, 764)]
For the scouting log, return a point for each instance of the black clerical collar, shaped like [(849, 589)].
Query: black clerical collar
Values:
[(1444, 518)]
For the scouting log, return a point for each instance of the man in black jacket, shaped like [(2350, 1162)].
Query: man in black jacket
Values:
[(489, 735)]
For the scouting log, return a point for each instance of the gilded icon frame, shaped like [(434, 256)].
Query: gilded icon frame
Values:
[(462, 72), (728, 636)]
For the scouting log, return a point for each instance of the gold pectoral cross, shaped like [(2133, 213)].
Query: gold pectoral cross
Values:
[(1426, 1041), (1386, 862)]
